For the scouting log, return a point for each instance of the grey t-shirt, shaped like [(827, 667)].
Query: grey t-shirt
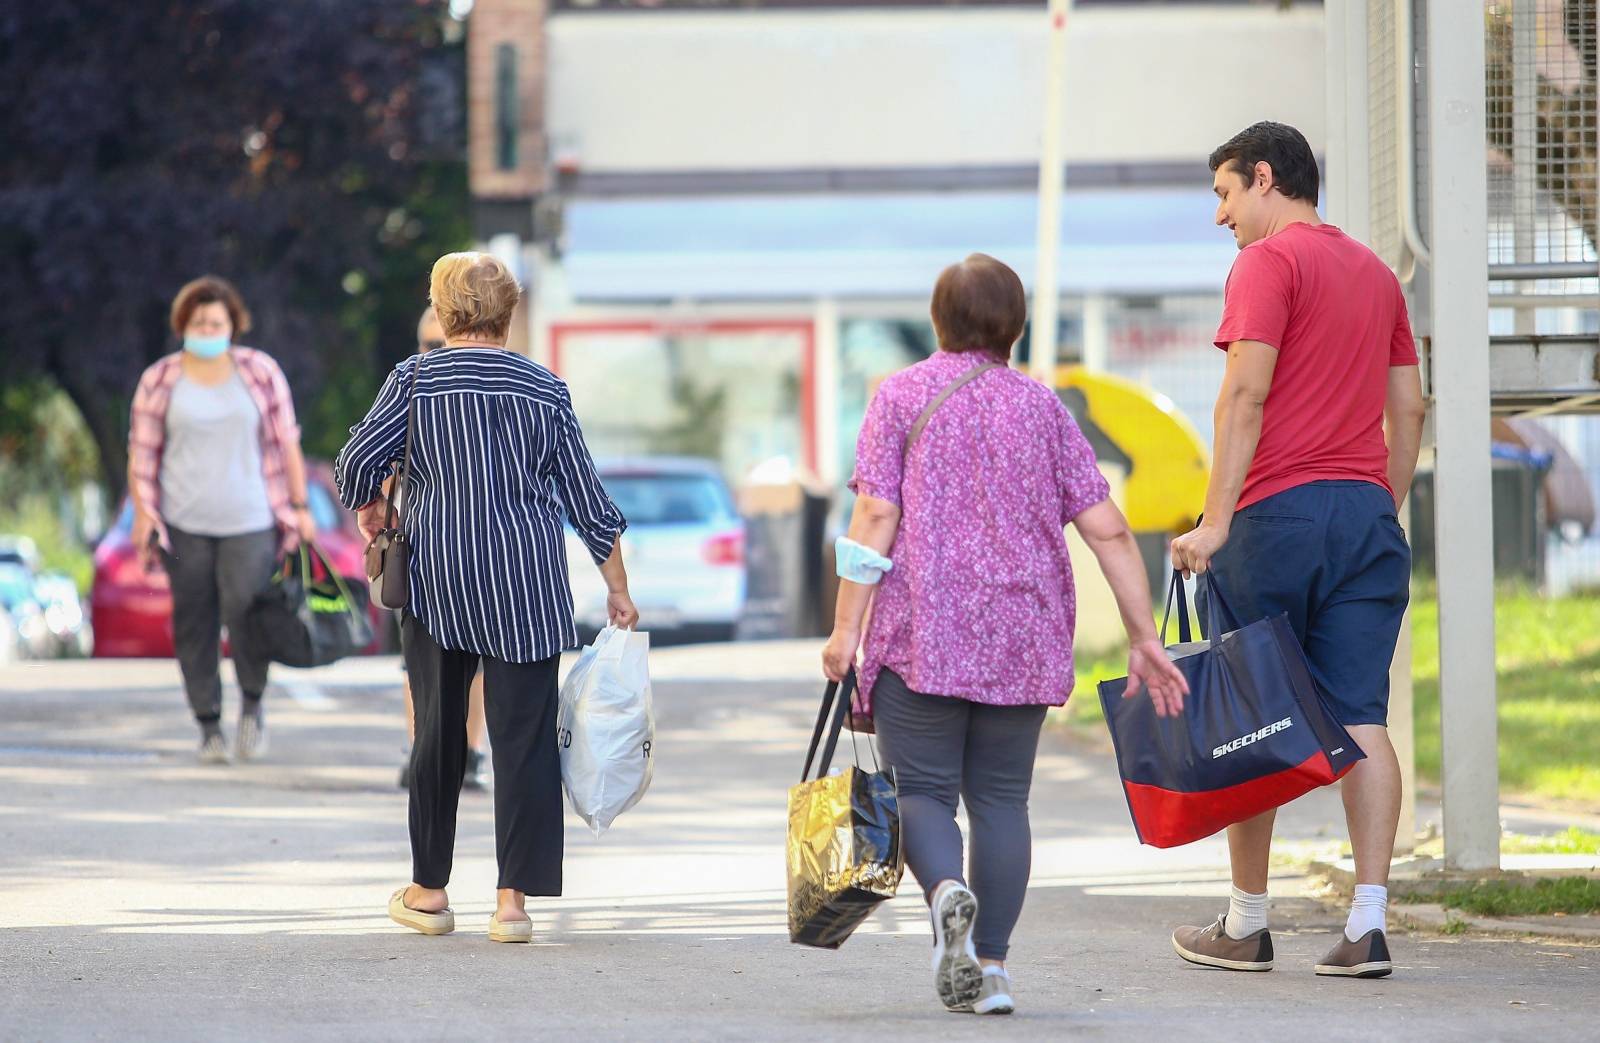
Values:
[(211, 480)]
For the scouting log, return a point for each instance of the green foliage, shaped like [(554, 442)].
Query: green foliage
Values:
[(1573, 895), (309, 151), (1548, 665), (59, 547), (1571, 841), (1548, 658)]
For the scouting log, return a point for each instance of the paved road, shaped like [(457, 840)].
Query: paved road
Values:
[(143, 896)]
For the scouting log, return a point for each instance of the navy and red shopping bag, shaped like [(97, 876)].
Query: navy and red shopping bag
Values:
[(1254, 733)]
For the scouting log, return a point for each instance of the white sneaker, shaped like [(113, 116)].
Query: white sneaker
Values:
[(214, 749), (995, 998), (957, 975), (251, 742)]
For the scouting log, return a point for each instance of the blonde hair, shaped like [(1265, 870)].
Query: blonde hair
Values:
[(473, 293)]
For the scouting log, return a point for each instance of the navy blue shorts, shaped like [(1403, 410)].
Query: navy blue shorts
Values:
[(1333, 557)]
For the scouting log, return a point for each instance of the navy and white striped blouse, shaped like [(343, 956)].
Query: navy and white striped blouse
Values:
[(496, 456)]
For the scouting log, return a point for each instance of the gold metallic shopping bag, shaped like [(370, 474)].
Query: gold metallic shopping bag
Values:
[(845, 854)]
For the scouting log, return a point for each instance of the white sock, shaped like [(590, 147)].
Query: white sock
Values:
[(1368, 911), (1247, 914)]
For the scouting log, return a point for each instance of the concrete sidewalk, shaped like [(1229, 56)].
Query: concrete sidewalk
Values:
[(146, 896)]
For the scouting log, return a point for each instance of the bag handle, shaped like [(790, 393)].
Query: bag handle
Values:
[(951, 388), (1176, 592), (1222, 618), (398, 492), (839, 703), (308, 551)]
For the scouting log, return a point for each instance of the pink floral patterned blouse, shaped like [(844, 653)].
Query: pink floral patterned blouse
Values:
[(980, 603)]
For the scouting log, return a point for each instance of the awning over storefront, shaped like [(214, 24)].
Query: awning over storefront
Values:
[(787, 247)]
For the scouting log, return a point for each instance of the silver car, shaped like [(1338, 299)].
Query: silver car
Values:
[(685, 551)]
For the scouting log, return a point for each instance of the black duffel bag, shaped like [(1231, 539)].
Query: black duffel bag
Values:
[(306, 619)]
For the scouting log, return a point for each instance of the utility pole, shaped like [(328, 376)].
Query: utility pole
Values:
[(1052, 173)]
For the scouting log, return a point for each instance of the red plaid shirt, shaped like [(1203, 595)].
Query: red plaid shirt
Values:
[(279, 432)]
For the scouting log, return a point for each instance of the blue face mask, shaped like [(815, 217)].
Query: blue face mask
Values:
[(205, 347)]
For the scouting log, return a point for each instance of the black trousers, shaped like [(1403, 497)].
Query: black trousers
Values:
[(214, 579), (519, 701)]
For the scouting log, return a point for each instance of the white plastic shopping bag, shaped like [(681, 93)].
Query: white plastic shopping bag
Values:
[(607, 728)]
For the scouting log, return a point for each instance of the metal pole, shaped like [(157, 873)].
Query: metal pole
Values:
[(825, 377), (1462, 508), (1052, 173), (1096, 332), (1524, 94)]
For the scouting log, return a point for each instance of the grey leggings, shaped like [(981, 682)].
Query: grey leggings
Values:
[(941, 748), (214, 579)]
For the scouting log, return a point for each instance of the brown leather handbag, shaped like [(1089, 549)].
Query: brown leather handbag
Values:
[(388, 557)]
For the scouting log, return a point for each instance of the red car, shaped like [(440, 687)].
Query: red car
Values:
[(132, 609)]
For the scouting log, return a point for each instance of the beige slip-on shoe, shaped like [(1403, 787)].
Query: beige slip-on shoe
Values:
[(442, 922), (510, 930)]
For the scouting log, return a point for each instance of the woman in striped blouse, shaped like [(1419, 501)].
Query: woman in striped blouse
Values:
[(496, 459)]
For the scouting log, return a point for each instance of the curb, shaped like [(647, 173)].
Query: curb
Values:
[(1436, 917)]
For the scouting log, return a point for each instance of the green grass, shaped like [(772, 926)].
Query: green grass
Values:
[(1571, 841), (1548, 663), (1570, 895)]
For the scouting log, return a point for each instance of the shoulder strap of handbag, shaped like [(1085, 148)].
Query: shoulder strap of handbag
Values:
[(397, 493), (950, 389)]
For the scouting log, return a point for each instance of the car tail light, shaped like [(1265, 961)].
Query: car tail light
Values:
[(724, 549)]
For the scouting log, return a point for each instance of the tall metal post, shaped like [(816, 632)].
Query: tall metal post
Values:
[(1524, 129), (1052, 172), (1458, 198)]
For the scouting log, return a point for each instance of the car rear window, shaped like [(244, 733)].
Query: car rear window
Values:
[(646, 499)]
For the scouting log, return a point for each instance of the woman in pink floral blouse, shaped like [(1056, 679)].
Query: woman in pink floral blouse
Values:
[(973, 611)]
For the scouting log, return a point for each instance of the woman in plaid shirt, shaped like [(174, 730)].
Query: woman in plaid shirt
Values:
[(219, 493)]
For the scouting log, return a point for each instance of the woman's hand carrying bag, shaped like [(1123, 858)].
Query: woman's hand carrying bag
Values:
[(388, 557)]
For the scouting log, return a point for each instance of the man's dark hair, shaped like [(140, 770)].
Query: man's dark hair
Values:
[(1281, 147), (979, 305)]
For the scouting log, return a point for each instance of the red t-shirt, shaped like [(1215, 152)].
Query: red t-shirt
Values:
[(1338, 319)]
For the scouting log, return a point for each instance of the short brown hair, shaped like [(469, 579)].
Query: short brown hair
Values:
[(209, 289), (473, 293), (979, 305)]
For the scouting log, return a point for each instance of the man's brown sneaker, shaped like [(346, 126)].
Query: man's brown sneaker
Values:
[(1367, 957), (1212, 947)]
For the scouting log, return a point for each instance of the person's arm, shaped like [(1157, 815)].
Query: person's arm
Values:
[(594, 516), (1404, 412), (1106, 532), (143, 430), (365, 460), (874, 523), (1240, 405), (619, 604), (294, 470)]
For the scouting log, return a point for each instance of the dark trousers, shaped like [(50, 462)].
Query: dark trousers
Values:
[(942, 748), (1331, 556), (214, 579), (519, 701)]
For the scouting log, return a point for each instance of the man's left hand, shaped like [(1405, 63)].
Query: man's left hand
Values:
[(305, 524), (1193, 551)]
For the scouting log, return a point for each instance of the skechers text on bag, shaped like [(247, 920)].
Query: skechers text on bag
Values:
[(1254, 733)]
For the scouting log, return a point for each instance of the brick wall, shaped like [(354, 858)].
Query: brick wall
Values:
[(493, 23)]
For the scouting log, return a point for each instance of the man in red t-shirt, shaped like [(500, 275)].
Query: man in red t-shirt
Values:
[(1317, 429)]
